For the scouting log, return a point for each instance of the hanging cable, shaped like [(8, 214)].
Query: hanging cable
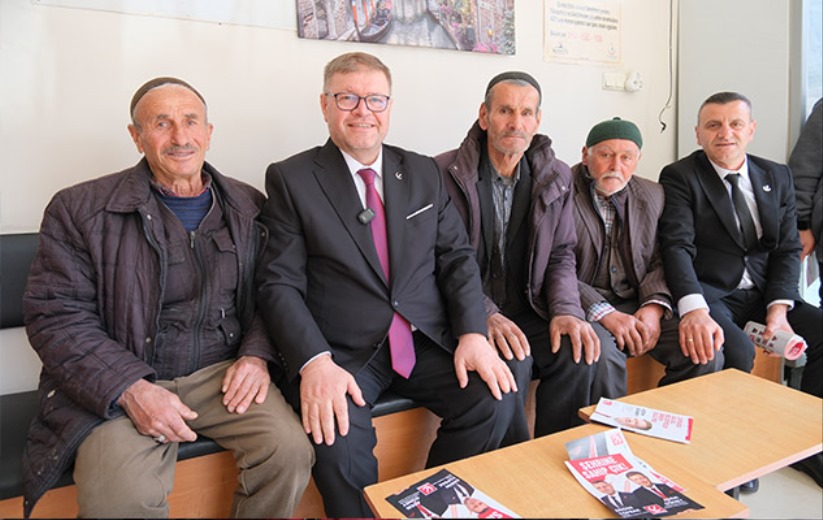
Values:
[(671, 70)]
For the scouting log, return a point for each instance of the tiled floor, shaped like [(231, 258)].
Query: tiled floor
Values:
[(785, 494)]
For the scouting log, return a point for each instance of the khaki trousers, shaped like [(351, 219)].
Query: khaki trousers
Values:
[(121, 473)]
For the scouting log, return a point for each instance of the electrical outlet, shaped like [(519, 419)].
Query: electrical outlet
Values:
[(614, 81), (634, 82)]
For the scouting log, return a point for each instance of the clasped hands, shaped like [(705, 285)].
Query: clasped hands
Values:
[(636, 332)]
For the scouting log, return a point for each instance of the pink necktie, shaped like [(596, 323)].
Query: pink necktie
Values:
[(401, 344)]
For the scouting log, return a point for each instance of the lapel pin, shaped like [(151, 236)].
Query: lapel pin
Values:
[(767, 188), (399, 176)]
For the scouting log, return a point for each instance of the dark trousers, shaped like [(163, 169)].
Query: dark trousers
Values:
[(741, 306), (565, 386), (473, 422)]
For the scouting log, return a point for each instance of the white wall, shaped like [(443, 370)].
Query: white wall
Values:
[(752, 47), (68, 75), (743, 46)]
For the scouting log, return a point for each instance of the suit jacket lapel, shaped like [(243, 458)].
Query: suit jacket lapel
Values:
[(334, 178), (763, 185), (396, 201), (718, 196)]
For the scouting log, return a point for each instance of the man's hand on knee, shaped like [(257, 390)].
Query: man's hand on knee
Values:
[(157, 412), (474, 353), (323, 388), (581, 334), (507, 337), (700, 336), (246, 380)]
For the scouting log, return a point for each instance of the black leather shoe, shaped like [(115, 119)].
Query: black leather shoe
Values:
[(812, 466), (750, 487)]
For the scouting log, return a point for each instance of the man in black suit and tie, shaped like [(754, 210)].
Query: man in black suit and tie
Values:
[(731, 251), (725, 270), (369, 284), (613, 499), (656, 493)]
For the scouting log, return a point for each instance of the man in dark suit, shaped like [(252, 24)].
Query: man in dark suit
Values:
[(728, 263), (620, 273), (613, 499), (369, 284), (720, 278)]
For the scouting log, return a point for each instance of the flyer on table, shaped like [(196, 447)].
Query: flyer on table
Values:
[(647, 421), (445, 495), (622, 482)]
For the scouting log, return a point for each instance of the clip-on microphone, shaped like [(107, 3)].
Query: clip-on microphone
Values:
[(365, 216)]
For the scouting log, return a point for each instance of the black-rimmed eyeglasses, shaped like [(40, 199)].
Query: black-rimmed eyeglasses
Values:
[(348, 101)]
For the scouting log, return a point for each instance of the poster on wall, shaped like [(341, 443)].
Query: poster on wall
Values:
[(583, 31), (260, 13), (465, 25)]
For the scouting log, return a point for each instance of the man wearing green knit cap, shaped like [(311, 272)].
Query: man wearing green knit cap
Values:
[(620, 273)]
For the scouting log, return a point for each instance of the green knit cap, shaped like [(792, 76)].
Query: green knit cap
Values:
[(614, 129)]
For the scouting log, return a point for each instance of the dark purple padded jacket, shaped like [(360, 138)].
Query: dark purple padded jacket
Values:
[(93, 300)]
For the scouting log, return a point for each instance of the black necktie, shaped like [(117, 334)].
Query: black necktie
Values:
[(747, 229)]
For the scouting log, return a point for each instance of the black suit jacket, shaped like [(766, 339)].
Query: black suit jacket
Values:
[(321, 287), (674, 502), (628, 500), (701, 247)]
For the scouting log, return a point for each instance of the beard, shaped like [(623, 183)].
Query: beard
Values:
[(603, 190)]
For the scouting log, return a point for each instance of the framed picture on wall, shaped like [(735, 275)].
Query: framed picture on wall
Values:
[(464, 25)]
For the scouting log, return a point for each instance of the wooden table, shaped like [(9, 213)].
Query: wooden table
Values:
[(744, 427), (532, 480)]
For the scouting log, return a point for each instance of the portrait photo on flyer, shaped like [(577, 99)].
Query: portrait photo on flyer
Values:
[(622, 482), (445, 495), (646, 421)]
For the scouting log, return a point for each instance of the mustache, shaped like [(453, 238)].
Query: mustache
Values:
[(598, 185), (180, 148), (515, 133), (612, 175)]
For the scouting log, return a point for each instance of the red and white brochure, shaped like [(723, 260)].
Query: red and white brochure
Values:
[(646, 421), (622, 482), (445, 495)]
